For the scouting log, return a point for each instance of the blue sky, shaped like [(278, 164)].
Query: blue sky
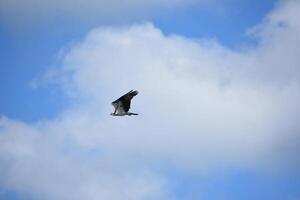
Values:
[(26, 52), (58, 74), (36, 47)]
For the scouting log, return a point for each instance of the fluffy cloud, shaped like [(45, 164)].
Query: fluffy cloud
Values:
[(201, 106), (42, 163)]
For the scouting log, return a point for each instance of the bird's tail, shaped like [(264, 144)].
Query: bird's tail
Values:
[(129, 113)]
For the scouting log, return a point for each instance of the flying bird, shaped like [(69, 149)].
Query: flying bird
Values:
[(122, 104)]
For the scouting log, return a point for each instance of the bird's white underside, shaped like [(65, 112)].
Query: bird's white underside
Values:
[(120, 110)]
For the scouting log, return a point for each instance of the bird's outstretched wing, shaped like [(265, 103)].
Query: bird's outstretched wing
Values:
[(125, 100)]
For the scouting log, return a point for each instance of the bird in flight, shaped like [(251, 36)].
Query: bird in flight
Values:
[(122, 104)]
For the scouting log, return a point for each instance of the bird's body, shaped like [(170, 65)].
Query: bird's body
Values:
[(122, 104)]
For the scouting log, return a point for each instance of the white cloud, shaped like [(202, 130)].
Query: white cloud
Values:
[(201, 106), (40, 162)]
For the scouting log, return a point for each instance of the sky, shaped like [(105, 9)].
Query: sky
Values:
[(218, 102)]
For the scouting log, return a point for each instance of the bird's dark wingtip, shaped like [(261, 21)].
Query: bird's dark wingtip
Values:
[(133, 92)]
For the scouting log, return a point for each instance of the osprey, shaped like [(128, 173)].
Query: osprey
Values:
[(122, 104)]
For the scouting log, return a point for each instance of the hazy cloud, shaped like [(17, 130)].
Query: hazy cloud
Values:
[(26, 12)]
